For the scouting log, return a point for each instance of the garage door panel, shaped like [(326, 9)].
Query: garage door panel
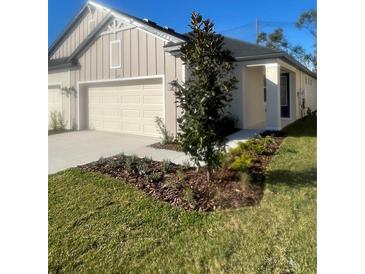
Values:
[(131, 100), (127, 108)]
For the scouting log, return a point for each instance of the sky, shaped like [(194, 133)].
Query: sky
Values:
[(235, 18)]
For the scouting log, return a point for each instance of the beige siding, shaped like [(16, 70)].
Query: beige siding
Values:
[(254, 106), (142, 55), (77, 34)]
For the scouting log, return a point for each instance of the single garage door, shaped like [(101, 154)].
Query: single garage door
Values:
[(130, 107), (54, 101)]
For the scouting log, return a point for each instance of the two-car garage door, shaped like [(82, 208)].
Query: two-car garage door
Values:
[(130, 107)]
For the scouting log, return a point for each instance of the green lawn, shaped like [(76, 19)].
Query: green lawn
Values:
[(100, 225)]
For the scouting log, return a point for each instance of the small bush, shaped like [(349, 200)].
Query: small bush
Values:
[(165, 134), (131, 164), (54, 120), (57, 121), (101, 162), (241, 163), (116, 162), (155, 177), (166, 166), (185, 165), (142, 168)]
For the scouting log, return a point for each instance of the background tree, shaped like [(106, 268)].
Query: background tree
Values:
[(308, 20), (205, 95), (276, 40)]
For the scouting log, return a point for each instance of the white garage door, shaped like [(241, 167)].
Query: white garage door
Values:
[(127, 108), (54, 100)]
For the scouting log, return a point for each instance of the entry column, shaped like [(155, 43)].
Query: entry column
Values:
[(272, 74)]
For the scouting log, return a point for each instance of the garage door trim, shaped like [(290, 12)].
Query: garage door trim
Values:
[(120, 80)]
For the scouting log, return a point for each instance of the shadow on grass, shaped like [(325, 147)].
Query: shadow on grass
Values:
[(291, 178), (306, 126)]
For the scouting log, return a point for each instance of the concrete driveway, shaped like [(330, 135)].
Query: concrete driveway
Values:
[(70, 149)]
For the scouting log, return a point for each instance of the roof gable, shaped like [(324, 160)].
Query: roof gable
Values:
[(122, 21)]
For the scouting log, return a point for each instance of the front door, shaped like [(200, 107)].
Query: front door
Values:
[(284, 95)]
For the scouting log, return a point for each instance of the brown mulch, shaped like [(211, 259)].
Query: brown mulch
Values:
[(170, 146), (189, 189)]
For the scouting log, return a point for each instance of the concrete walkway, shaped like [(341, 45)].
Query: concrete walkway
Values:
[(71, 149), (242, 136)]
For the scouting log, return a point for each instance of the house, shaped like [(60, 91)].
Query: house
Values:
[(111, 71)]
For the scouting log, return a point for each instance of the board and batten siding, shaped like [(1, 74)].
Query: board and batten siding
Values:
[(78, 33), (142, 55)]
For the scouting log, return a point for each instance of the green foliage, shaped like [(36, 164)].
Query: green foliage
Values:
[(241, 163), (142, 168), (166, 166), (131, 163), (57, 121), (277, 40), (206, 93), (155, 177), (308, 20), (101, 162), (185, 165), (166, 136)]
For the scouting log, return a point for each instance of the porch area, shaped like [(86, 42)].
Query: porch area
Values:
[(270, 96)]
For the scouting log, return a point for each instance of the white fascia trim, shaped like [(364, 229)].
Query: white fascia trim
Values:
[(159, 76), (98, 6), (272, 65), (151, 30), (120, 54)]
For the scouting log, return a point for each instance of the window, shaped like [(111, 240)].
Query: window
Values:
[(265, 92), (115, 54), (91, 25)]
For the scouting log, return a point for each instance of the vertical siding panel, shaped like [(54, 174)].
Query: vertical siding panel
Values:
[(119, 71), (106, 69), (151, 55), (178, 65), (160, 54), (99, 59), (82, 67), (93, 61), (142, 36), (88, 64), (126, 53), (112, 71), (134, 53)]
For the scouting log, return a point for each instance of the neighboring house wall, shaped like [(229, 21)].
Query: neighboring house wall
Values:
[(61, 79), (78, 33)]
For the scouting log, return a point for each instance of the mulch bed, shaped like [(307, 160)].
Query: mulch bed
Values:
[(186, 188), (169, 146)]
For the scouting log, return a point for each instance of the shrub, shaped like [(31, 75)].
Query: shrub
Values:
[(241, 163), (165, 134), (57, 121), (142, 168), (185, 165), (131, 163), (101, 162), (54, 121), (155, 177), (166, 166)]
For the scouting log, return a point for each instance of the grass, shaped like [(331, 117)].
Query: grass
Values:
[(100, 225)]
